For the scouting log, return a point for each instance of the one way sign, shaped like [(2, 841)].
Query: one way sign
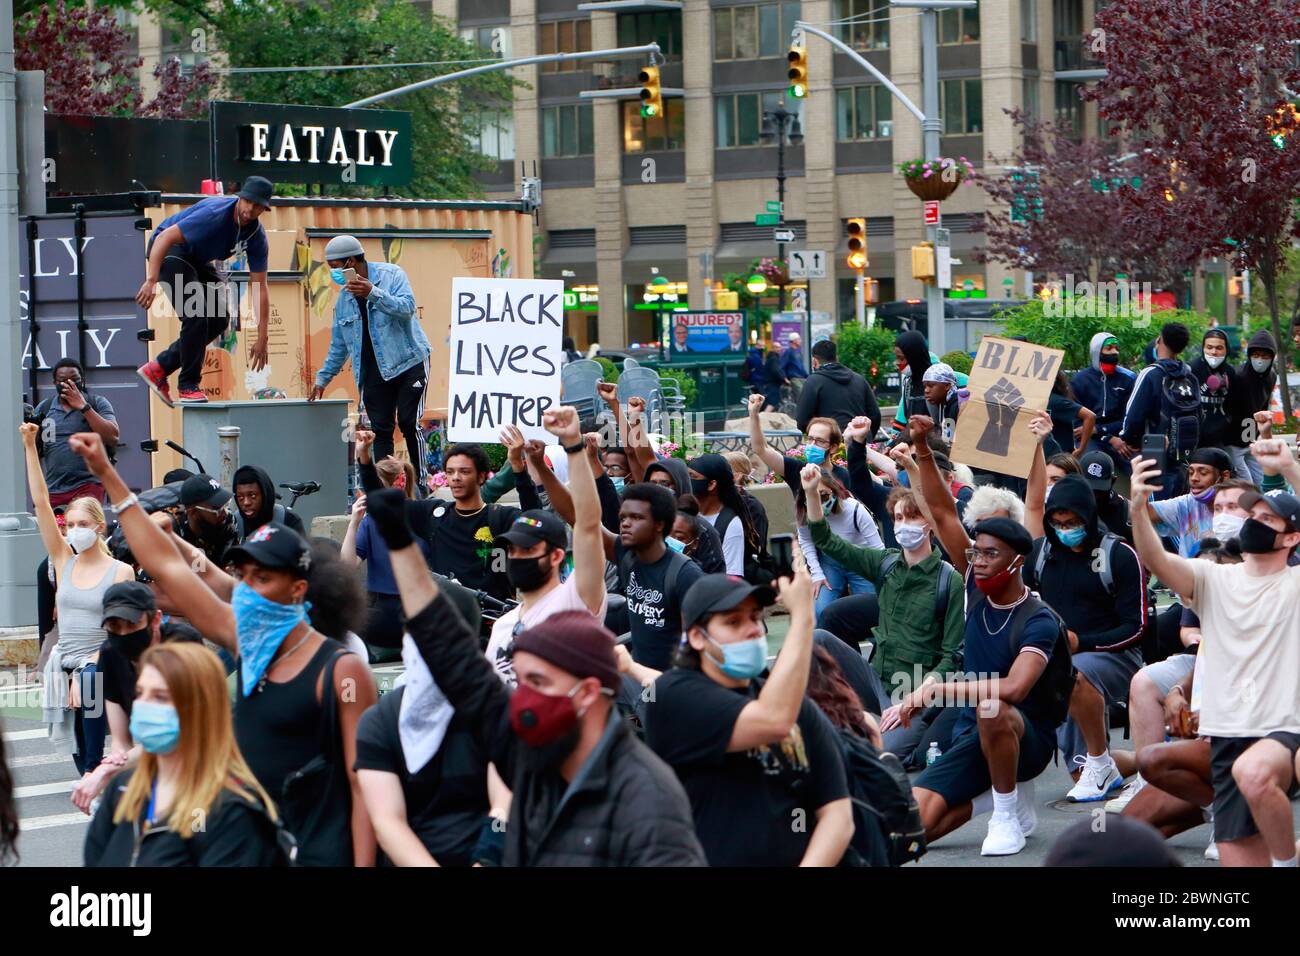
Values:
[(808, 264)]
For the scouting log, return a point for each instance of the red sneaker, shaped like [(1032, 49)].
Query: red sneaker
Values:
[(192, 396), (156, 379)]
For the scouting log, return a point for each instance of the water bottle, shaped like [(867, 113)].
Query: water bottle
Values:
[(933, 754)]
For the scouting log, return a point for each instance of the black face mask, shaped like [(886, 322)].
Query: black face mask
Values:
[(133, 644), (528, 574), (699, 486), (1257, 537), (552, 754)]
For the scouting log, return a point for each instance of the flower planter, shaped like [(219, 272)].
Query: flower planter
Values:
[(933, 188)]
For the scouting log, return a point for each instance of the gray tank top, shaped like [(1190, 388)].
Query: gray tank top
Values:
[(81, 611)]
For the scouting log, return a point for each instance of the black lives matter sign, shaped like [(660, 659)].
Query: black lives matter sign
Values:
[(505, 353)]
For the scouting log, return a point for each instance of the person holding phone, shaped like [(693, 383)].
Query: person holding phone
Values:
[(69, 411), (376, 326)]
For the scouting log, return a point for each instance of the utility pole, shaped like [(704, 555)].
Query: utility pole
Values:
[(775, 123)]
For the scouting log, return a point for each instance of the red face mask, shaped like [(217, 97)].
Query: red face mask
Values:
[(541, 718), (996, 582), (1108, 363)]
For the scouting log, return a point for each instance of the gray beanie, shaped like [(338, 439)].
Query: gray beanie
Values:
[(343, 247)]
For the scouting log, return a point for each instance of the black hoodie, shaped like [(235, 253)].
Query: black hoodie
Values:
[(1100, 620), (917, 353), (836, 391), (1258, 388), (1219, 391), (270, 510), (708, 546)]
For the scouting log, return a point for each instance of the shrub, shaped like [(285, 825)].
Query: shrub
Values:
[(869, 352), (959, 360), (685, 381)]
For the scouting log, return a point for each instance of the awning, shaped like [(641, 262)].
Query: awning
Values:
[(662, 254)]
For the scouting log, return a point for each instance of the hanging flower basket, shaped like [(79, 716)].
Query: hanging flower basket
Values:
[(935, 179)]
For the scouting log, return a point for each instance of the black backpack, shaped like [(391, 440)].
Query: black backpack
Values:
[(946, 573), (1058, 677), (677, 561), (760, 567), (883, 806), (1180, 411)]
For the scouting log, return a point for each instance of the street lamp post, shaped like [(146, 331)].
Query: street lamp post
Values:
[(775, 123)]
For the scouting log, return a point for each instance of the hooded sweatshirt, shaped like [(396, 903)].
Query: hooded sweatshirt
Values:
[(836, 391), (1143, 413), (270, 510), (1257, 389), (917, 353), (1105, 395), (1102, 621), (1219, 388), (708, 546)]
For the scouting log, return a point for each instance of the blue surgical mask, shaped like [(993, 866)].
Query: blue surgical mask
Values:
[(337, 276), (743, 660), (618, 484), (261, 625), (155, 727), (1071, 537), (676, 545), (815, 454)]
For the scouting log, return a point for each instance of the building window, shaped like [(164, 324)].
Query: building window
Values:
[(1029, 97), (1029, 21), (870, 27), (495, 136), (962, 105), (752, 32), (564, 36), (494, 41), (959, 26), (638, 29), (739, 117), (1069, 108), (863, 113), (658, 133), (566, 131), (1067, 34)]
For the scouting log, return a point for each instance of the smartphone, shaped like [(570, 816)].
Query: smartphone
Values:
[(781, 547), (1153, 447), (349, 275)]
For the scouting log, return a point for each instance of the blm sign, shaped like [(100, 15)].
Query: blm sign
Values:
[(505, 353), (1009, 383)]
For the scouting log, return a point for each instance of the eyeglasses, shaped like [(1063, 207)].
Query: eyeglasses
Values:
[(820, 442), (988, 554)]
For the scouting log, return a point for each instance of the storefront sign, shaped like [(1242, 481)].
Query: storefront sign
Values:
[(706, 332)]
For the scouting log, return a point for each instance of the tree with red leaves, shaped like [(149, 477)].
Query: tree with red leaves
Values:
[(91, 69), (1205, 87)]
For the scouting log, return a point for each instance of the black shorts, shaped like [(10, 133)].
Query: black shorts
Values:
[(1232, 817), (961, 774)]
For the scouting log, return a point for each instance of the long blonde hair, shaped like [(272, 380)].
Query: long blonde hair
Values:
[(390, 467), (210, 760), (95, 511)]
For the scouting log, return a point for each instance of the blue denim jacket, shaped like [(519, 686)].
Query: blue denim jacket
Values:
[(395, 333)]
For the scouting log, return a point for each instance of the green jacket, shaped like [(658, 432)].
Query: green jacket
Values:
[(908, 634), (503, 482)]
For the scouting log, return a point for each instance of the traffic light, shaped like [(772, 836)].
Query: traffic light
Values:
[(652, 103), (856, 229), (798, 58), (871, 291)]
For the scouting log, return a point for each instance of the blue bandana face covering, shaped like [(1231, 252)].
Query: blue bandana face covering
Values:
[(261, 626)]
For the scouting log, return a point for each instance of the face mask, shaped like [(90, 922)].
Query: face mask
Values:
[(815, 454), (828, 504), (1204, 496), (527, 574), (1257, 537), (699, 486), (995, 583), (1227, 526), (678, 546), (743, 660), (337, 276), (1261, 365), (133, 644), (1213, 361), (618, 484), (540, 719), (261, 626), (1071, 537), (155, 727), (82, 539), (911, 536), (1108, 363)]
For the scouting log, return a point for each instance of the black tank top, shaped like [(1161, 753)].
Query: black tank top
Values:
[(278, 728)]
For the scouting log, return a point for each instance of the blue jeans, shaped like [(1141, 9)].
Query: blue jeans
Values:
[(839, 583), (91, 721)]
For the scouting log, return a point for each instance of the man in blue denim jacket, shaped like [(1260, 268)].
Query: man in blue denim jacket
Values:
[(376, 327)]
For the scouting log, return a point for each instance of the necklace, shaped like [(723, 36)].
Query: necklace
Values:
[(1010, 609), (469, 514), (261, 684)]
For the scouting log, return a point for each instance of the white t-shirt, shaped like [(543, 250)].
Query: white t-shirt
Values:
[(733, 543), (563, 598), (1250, 680), (853, 522)]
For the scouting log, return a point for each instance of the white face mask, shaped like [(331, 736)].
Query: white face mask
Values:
[(911, 536), (1261, 365), (80, 539), (1213, 361), (1227, 526)]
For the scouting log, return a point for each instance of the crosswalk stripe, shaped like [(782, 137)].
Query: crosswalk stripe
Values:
[(44, 789), (14, 735), (39, 760), (54, 820)]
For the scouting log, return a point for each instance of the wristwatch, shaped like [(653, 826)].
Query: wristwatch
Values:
[(575, 449), (131, 499)]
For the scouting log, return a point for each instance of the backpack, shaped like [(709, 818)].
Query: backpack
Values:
[(946, 574), (676, 562), (760, 567), (1180, 411), (1059, 673), (883, 806)]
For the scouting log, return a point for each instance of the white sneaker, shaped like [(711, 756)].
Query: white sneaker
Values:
[(1096, 781), (1005, 837), (1130, 791), (1026, 815), (1212, 851)]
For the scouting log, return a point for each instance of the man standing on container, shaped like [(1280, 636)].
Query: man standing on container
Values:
[(376, 327), (181, 255)]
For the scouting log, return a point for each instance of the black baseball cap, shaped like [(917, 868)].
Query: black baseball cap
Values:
[(1006, 531), (177, 474), (257, 189), (533, 526), (1098, 470), (720, 592), (1123, 841), (203, 490), (127, 601), (275, 546), (1286, 507)]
